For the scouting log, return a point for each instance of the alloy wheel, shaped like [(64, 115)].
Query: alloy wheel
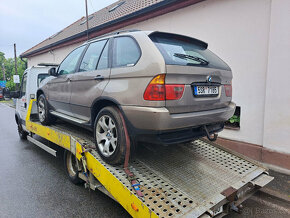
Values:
[(106, 135)]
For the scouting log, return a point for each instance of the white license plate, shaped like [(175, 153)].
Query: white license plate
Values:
[(206, 90)]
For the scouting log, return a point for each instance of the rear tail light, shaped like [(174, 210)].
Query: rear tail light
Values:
[(174, 92), (157, 90), (228, 90)]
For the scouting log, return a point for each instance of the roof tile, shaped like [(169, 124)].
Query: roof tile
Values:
[(100, 17)]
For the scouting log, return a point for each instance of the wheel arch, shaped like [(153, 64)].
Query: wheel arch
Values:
[(38, 93), (100, 103)]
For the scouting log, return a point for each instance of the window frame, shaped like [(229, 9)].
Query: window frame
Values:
[(109, 43), (114, 47), (21, 92), (78, 62), (83, 55)]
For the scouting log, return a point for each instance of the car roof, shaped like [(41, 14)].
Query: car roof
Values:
[(133, 32)]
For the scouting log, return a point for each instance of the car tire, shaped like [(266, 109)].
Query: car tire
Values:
[(44, 116), (71, 168), (110, 136), (22, 133)]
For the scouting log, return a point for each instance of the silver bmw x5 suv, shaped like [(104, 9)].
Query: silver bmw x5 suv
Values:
[(166, 88)]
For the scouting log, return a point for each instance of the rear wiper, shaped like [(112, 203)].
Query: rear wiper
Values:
[(184, 56)]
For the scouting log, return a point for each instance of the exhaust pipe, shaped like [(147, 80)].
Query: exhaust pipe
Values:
[(211, 138)]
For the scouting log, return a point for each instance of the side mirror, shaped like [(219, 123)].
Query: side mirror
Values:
[(14, 94), (52, 71)]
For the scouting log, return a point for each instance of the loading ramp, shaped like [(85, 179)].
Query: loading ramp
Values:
[(199, 179)]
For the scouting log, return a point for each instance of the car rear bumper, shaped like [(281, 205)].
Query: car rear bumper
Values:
[(178, 135), (159, 119)]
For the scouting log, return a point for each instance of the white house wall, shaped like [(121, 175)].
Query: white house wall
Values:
[(54, 56), (238, 31), (277, 107)]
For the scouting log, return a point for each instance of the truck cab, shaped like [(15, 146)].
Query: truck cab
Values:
[(29, 84)]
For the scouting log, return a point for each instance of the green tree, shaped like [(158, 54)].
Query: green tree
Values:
[(10, 69)]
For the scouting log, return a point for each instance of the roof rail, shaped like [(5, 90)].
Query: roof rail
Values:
[(114, 33), (47, 64)]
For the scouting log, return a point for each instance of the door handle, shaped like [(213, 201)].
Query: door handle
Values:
[(99, 77)]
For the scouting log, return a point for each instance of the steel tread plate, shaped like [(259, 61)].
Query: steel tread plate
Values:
[(179, 180)]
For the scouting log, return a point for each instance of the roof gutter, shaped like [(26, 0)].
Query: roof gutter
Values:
[(159, 9)]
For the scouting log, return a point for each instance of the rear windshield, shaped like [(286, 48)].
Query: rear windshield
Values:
[(181, 50), (41, 77)]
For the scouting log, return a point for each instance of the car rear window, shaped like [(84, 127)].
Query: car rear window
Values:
[(41, 77), (182, 50)]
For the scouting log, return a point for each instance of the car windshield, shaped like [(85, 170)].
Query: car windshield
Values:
[(181, 50)]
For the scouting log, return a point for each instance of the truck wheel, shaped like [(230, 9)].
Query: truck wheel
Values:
[(71, 167), (22, 134), (43, 113), (110, 136)]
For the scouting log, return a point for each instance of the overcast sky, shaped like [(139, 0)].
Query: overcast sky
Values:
[(28, 22)]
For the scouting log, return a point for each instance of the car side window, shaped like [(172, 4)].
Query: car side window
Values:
[(104, 59), (92, 56), (23, 85), (126, 52), (69, 64)]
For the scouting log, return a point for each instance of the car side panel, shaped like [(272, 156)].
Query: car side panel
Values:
[(59, 90), (85, 89), (127, 84)]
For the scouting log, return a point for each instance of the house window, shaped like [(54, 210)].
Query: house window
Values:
[(116, 6), (89, 18)]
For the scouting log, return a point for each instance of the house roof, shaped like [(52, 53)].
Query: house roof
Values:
[(115, 16)]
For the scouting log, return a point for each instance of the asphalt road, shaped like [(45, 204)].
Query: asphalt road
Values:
[(34, 184)]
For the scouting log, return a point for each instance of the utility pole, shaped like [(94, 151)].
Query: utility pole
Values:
[(3, 72), (86, 1), (15, 59), (15, 62)]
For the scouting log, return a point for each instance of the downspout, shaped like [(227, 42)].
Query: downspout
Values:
[(24, 62)]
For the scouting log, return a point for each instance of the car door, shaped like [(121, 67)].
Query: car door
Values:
[(90, 80), (60, 87)]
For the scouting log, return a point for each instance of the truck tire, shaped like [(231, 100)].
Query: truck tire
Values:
[(22, 134), (44, 116), (71, 168), (110, 136)]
